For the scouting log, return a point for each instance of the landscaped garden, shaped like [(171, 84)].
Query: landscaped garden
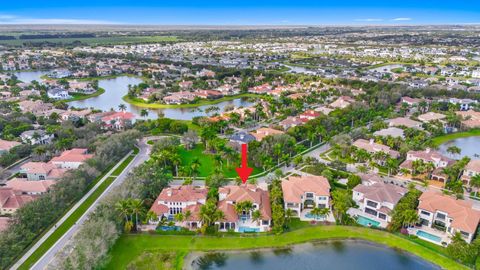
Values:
[(208, 162)]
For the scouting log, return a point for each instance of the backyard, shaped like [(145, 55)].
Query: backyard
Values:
[(207, 162)]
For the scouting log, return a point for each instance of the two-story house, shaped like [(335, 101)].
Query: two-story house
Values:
[(71, 159), (303, 193), (41, 171), (371, 147), (471, 169), (180, 199), (35, 137), (230, 196), (438, 160), (447, 216), (376, 202)]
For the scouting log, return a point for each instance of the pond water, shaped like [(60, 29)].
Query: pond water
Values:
[(29, 76), (470, 147), (344, 255), (116, 88)]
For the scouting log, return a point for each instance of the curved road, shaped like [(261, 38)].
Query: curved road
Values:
[(43, 262)]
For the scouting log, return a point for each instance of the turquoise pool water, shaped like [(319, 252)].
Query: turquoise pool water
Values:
[(247, 229), (428, 236), (308, 215), (364, 221)]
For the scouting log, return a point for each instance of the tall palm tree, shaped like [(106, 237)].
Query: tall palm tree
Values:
[(179, 217), (288, 215), (123, 207), (475, 183), (136, 206), (195, 167), (256, 217), (150, 216), (410, 217), (122, 107), (144, 113)]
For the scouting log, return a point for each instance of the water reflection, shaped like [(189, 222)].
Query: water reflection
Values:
[(470, 147)]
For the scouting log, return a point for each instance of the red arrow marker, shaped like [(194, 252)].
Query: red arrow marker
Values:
[(244, 171)]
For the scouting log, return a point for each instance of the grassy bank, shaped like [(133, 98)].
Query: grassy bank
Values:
[(76, 97), (74, 217), (129, 247), (141, 103), (448, 137)]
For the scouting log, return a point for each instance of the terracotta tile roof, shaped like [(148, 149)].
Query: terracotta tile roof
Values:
[(371, 146), (73, 155), (431, 116), (183, 194), (194, 210), (464, 217), (229, 211), (7, 145), (249, 193), (473, 165), (296, 187), (402, 121), (263, 132), (381, 192), (8, 198), (158, 208), (25, 186), (38, 167)]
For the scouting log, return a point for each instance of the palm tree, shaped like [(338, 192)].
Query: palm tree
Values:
[(316, 212), (195, 167), (257, 216), (475, 183), (179, 217), (454, 150), (288, 215), (144, 113), (123, 208), (150, 216), (122, 107), (410, 217), (187, 215), (136, 206), (391, 165)]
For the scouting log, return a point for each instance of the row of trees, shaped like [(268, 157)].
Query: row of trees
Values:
[(33, 218)]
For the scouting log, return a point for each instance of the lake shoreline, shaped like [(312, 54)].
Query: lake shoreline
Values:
[(142, 104), (191, 258)]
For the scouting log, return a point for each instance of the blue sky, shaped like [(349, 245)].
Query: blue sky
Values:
[(246, 12)]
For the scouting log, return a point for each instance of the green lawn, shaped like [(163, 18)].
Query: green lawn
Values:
[(129, 247), (77, 96), (448, 137), (207, 163), (65, 226), (141, 103)]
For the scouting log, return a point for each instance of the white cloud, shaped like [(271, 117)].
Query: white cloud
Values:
[(12, 19), (369, 20), (402, 19)]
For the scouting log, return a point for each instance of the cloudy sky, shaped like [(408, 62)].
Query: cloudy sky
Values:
[(243, 12)]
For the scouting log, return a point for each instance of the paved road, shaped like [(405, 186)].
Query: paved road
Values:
[(10, 171), (143, 155)]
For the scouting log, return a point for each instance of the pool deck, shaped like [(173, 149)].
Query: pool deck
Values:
[(328, 218), (443, 235), (357, 212)]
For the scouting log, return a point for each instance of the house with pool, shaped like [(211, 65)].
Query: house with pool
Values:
[(303, 193), (243, 220), (471, 169), (180, 199), (442, 216), (375, 203)]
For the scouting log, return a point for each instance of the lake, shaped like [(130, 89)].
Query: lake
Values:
[(116, 88), (470, 147), (29, 76), (338, 255)]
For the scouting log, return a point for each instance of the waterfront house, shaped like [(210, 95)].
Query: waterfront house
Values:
[(471, 169), (447, 216), (376, 202), (242, 220), (180, 199), (303, 193)]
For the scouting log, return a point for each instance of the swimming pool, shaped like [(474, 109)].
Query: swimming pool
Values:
[(309, 215), (428, 236), (367, 222), (248, 230)]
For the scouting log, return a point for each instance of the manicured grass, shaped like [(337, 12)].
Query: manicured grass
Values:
[(122, 166), (141, 103), (158, 260), (72, 219), (76, 96), (207, 162), (130, 247), (448, 137)]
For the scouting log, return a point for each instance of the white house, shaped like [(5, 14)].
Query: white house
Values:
[(58, 94), (34, 137)]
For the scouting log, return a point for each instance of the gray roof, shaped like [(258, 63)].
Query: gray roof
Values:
[(242, 136)]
